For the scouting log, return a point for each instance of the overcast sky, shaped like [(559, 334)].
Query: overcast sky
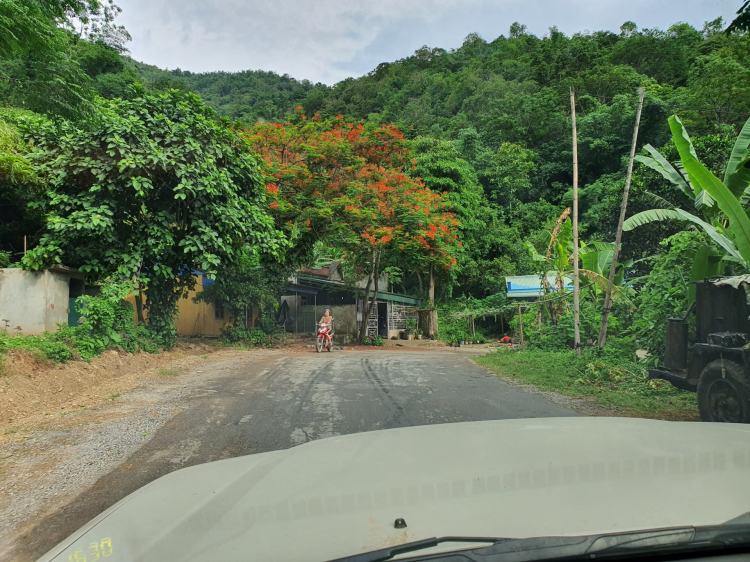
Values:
[(327, 41)]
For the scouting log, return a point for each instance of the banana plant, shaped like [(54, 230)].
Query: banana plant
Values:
[(724, 220), (596, 259)]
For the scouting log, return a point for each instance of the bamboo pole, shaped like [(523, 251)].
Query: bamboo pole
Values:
[(520, 325), (576, 303), (618, 237)]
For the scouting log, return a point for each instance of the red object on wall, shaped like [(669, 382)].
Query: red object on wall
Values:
[(53, 306)]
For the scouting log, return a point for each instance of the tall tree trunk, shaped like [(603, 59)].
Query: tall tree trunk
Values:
[(431, 287), (432, 326), (367, 308), (576, 287), (618, 237), (139, 306), (419, 278)]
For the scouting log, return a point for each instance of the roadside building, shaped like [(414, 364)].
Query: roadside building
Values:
[(529, 287), (311, 291), (204, 319), (34, 302)]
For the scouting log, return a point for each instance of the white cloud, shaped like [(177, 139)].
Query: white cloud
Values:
[(328, 40)]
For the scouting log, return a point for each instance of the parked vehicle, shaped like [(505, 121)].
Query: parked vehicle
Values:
[(325, 337), (717, 366)]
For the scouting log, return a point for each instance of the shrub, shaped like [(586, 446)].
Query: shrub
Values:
[(374, 340), (252, 336), (46, 346)]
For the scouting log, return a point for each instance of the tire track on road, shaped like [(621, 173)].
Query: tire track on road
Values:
[(378, 384)]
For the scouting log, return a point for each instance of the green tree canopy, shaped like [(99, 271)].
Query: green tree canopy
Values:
[(155, 188)]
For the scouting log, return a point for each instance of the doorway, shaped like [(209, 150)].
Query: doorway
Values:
[(383, 320)]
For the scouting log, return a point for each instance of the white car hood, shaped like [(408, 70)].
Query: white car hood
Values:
[(511, 478)]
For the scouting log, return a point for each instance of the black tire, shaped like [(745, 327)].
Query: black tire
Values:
[(319, 345), (724, 392)]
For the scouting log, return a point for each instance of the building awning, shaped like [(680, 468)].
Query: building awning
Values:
[(295, 288), (530, 286), (339, 286)]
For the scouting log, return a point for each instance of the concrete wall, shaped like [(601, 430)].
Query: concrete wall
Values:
[(35, 301)]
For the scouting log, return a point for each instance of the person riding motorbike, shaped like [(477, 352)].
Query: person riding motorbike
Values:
[(326, 322), (326, 318)]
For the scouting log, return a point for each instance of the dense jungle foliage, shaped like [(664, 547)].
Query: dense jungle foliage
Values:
[(487, 126)]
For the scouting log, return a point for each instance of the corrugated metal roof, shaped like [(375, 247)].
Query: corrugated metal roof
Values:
[(529, 286), (382, 295)]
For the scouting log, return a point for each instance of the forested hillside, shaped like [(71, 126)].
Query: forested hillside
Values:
[(248, 96), (505, 105)]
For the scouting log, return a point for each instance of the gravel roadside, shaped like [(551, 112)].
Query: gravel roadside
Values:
[(63, 457)]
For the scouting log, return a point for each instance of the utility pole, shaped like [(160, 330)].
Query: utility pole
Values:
[(618, 237), (576, 285)]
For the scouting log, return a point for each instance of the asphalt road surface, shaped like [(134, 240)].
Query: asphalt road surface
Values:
[(285, 400)]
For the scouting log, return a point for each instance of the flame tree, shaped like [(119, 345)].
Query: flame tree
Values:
[(346, 184)]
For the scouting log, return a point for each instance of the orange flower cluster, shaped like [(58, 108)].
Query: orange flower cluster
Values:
[(349, 178)]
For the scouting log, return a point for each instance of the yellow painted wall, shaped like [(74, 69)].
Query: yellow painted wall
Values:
[(199, 318)]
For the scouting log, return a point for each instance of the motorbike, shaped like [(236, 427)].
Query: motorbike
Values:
[(325, 337)]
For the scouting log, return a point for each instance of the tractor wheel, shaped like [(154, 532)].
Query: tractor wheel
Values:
[(724, 392)]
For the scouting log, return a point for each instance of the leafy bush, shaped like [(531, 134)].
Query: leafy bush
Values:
[(376, 341), (45, 346), (454, 330), (253, 336), (549, 337), (665, 294), (107, 321)]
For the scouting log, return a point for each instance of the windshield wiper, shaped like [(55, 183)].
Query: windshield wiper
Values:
[(387, 553), (732, 534)]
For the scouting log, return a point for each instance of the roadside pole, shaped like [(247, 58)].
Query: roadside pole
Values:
[(520, 325), (618, 237), (576, 303)]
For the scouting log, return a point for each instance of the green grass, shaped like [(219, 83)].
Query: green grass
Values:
[(114, 396), (48, 346), (166, 373), (612, 382)]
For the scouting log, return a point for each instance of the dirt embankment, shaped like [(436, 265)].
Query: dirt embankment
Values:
[(33, 390)]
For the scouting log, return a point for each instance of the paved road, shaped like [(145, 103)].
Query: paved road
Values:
[(282, 401)]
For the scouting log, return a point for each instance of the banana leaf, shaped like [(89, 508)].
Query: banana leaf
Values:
[(598, 261), (703, 200), (684, 147), (600, 282), (739, 223), (654, 215), (660, 164), (737, 174), (536, 256), (656, 201)]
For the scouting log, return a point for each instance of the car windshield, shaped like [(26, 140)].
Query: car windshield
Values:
[(374, 280)]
